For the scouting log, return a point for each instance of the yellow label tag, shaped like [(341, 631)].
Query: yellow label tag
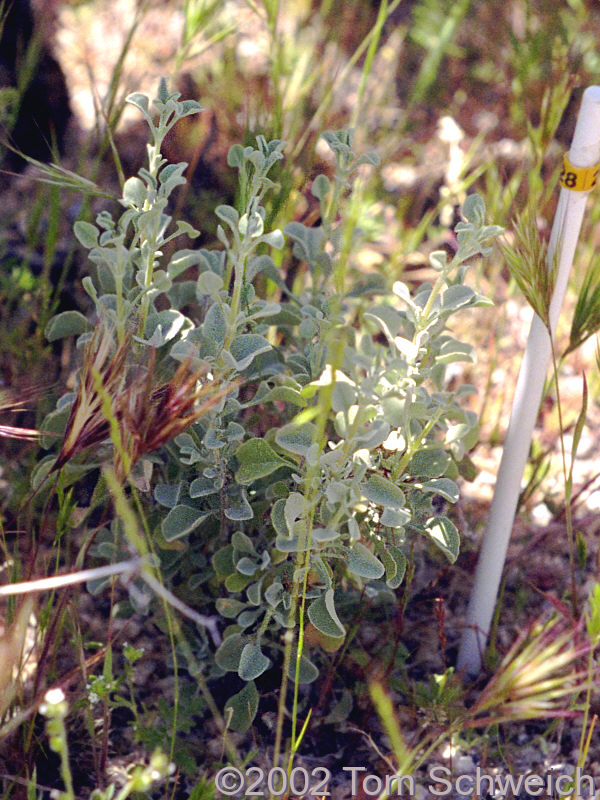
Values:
[(578, 179)]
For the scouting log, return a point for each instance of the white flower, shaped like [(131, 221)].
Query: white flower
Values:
[(54, 696)]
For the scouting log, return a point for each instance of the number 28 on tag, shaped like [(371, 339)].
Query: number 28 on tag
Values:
[(578, 179)]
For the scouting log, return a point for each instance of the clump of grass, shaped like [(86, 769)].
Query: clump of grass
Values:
[(538, 676), (87, 424), (151, 417), (527, 260), (146, 415)]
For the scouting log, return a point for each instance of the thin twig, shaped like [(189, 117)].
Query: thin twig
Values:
[(70, 578), (131, 566)]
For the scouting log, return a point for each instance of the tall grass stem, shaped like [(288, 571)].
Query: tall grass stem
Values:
[(584, 153)]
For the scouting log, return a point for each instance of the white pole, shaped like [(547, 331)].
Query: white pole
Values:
[(580, 175)]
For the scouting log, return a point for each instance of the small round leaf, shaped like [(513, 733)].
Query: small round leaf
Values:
[(383, 492), (180, 521), (229, 653), (68, 323), (362, 562), (256, 460), (244, 706), (323, 615), (444, 534), (253, 662)]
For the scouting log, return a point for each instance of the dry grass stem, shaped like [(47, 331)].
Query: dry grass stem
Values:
[(11, 431)]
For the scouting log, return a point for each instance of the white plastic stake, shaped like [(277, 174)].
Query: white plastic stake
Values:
[(577, 178)]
